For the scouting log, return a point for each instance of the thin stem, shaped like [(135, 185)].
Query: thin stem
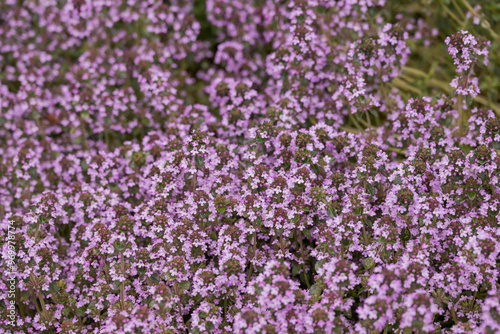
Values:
[(176, 290), (450, 13), (356, 124), (225, 309), (250, 272), (367, 113), (193, 182), (473, 300), (303, 261), (454, 315), (106, 136), (365, 237), (349, 129), (469, 7), (254, 250), (20, 304), (459, 10), (42, 303), (397, 150), (460, 114), (122, 287), (36, 303)]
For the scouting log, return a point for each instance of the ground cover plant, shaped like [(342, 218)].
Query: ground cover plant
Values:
[(250, 166)]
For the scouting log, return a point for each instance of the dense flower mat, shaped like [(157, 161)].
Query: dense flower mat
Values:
[(249, 166)]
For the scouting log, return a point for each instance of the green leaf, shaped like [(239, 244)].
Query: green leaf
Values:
[(120, 245), (250, 141), (296, 270), (81, 311), (374, 112), (186, 285), (315, 169), (315, 290), (468, 100), (370, 189), (459, 199), (345, 242), (53, 287), (307, 233), (331, 212), (198, 160), (368, 263), (210, 325), (116, 285), (405, 235), (156, 278), (318, 265)]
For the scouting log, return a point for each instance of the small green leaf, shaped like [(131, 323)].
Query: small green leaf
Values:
[(198, 160), (296, 270), (186, 285), (405, 235), (315, 169), (120, 245), (468, 100), (374, 112), (370, 189), (307, 233), (368, 263), (156, 278), (210, 325), (116, 285), (53, 287), (459, 199), (81, 311), (315, 290), (318, 265), (331, 212)]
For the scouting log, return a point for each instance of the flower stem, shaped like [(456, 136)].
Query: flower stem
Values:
[(303, 261), (122, 287)]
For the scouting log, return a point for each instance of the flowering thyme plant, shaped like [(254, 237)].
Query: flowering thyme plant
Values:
[(236, 166)]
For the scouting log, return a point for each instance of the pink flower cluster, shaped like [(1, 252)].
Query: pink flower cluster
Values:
[(466, 51), (191, 166)]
